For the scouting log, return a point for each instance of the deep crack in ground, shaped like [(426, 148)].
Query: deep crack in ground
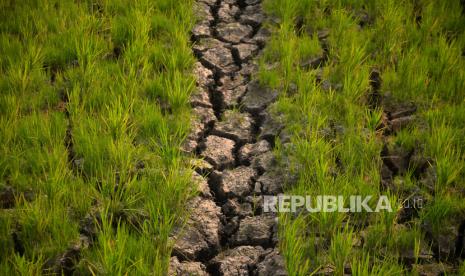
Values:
[(227, 232)]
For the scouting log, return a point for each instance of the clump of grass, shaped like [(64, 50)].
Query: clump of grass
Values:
[(294, 242), (339, 251), (363, 267)]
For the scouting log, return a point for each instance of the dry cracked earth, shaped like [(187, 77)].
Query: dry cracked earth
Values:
[(233, 136)]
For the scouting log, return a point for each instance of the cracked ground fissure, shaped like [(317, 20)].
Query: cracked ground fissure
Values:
[(227, 233)]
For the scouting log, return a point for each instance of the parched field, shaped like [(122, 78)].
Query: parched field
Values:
[(139, 137)]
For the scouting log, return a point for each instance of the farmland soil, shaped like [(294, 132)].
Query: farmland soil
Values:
[(227, 232)]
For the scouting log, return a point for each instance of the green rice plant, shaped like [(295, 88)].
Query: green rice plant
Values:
[(286, 9), (340, 249), (297, 244), (6, 224), (117, 119), (447, 155), (308, 47), (388, 219), (442, 209), (417, 248), (23, 73), (52, 233), (112, 243), (408, 239), (363, 267), (22, 266), (88, 51), (373, 119), (179, 89)]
